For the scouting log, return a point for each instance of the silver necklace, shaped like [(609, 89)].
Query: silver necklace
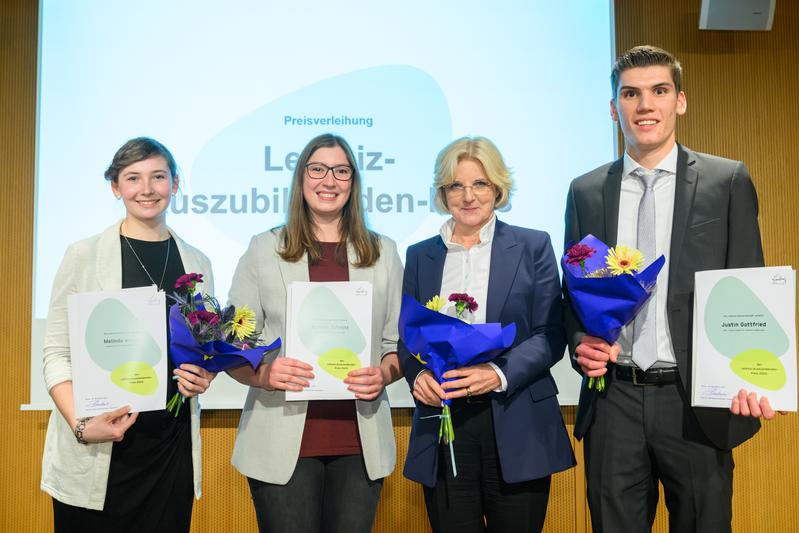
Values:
[(166, 261)]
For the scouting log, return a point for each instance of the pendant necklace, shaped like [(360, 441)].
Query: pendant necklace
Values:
[(166, 261)]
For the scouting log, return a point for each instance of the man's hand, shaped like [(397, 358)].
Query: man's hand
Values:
[(747, 404), (593, 355)]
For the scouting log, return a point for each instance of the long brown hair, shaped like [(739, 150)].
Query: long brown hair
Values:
[(298, 237)]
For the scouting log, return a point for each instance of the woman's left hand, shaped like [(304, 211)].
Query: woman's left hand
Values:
[(470, 381), (193, 380), (367, 383)]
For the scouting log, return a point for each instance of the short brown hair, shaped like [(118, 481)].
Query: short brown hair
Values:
[(136, 150), (645, 56)]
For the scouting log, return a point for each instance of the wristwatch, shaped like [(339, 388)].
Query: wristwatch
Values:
[(79, 428)]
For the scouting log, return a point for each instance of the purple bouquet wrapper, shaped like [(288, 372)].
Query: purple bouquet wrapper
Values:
[(445, 343), (214, 356), (605, 305)]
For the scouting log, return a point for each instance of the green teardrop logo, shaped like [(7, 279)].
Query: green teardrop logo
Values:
[(136, 377), (327, 324), (737, 320), (114, 335), (761, 368)]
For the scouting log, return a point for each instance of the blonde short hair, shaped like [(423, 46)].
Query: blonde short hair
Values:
[(477, 149)]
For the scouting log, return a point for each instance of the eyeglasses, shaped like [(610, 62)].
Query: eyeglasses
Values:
[(318, 171), (479, 188)]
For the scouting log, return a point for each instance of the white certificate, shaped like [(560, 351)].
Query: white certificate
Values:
[(329, 326), (117, 341), (745, 336)]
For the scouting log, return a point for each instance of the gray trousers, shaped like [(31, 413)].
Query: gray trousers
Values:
[(324, 495), (642, 435)]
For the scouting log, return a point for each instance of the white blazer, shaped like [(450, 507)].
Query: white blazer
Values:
[(73, 473), (270, 430)]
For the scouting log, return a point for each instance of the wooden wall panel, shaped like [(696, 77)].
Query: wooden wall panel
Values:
[(741, 89), (742, 104)]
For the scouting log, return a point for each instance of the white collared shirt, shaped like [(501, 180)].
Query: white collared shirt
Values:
[(630, 198), (467, 270)]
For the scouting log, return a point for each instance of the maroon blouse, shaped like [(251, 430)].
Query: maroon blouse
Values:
[(331, 426)]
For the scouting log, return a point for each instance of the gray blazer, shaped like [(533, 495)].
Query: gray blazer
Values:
[(715, 226), (72, 473), (270, 430)]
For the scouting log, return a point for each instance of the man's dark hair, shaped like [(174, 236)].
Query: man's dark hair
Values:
[(645, 56)]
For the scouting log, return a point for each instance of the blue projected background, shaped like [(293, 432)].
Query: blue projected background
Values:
[(236, 93)]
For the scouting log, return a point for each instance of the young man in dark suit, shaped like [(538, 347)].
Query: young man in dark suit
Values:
[(700, 211)]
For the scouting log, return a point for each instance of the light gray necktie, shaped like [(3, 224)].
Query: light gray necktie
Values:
[(645, 328)]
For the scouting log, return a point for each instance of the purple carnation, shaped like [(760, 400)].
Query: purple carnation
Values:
[(189, 280), (466, 301), (202, 316), (577, 254)]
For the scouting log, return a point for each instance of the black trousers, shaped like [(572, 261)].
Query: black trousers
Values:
[(642, 435), (477, 500), (177, 519), (325, 494)]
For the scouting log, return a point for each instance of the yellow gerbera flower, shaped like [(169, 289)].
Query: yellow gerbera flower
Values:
[(243, 323), (624, 260), (435, 303)]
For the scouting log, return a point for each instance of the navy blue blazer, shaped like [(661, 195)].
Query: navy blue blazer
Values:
[(523, 287)]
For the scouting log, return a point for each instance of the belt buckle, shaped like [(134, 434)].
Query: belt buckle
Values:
[(635, 377)]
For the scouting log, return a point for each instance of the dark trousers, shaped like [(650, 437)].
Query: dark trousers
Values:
[(477, 500), (325, 494), (71, 519), (642, 435)]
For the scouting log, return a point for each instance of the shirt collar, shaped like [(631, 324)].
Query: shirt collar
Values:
[(669, 163), (486, 232)]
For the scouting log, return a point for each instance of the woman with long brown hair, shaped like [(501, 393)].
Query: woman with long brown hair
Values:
[(318, 465)]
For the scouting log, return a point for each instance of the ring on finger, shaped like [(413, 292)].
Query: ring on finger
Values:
[(468, 392)]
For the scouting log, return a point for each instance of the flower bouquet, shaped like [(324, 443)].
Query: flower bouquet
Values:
[(443, 343), (209, 336), (607, 287)]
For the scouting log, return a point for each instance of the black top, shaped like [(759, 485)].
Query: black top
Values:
[(151, 468)]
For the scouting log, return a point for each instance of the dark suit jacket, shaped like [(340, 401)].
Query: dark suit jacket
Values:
[(523, 287), (715, 226)]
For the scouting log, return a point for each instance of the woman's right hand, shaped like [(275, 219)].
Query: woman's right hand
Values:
[(427, 390), (110, 426), (284, 373)]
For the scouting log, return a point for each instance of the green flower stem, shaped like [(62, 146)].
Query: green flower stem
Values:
[(175, 402), (598, 382), (446, 433)]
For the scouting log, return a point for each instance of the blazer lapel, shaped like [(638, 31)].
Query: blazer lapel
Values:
[(611, 192), (109, 259), (359, 274), (296, 271), (506, 253), (684, 194), (431, 270)]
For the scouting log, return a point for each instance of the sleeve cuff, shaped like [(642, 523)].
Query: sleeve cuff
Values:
[(503, 385), (414, 379)]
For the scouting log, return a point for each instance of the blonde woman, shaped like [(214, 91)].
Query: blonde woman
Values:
[(510, 433)]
